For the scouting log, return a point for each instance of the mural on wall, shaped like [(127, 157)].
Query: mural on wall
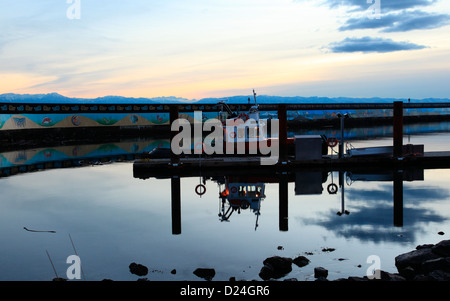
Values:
[(36, 115)]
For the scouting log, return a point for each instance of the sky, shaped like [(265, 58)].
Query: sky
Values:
[(217, 48)]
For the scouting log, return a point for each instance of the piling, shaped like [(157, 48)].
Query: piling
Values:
[(174, 110), (341, 143), (282, 135), (398, 129)]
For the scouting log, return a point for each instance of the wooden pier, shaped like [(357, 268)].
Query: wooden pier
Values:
[(400, 158)]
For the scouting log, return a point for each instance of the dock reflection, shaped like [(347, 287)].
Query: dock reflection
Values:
[(243, 191)]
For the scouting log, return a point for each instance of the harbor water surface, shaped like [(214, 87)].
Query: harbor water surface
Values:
[(114, 219)]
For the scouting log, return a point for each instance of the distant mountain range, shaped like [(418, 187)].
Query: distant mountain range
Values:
[(58, 98)]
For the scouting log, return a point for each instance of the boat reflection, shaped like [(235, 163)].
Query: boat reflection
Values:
[(241, 193)]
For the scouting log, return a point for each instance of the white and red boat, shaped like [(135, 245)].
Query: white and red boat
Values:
[(246, 133)]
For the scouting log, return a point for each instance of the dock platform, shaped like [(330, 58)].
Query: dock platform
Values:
[(144, 168)]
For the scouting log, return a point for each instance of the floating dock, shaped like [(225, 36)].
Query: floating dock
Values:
[(213, 166)]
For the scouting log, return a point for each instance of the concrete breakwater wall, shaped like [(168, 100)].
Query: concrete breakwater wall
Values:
[(20, 116)]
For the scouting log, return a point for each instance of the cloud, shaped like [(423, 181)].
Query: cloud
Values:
[(386, 6), (369, 44), (399, 22)]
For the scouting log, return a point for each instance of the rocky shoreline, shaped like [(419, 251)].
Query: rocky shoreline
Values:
[(429, 262), (426, 263)]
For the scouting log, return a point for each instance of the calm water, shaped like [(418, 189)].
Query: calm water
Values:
[(115, 219)]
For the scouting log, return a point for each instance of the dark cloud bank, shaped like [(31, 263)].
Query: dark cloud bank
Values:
[(369, 44), (394, 16)]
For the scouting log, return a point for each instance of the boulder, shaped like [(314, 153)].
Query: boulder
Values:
[(414, 259), (425, 246), (301, 261), (442, 248), (138, 269), (386, 276), (320, 272), (408, 273), (427, 262), (275, 267), (439, 275), (205, 273), (442, 263)]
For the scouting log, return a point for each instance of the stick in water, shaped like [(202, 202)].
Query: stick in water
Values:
[(54, 270), (38, 231), (75, 250)]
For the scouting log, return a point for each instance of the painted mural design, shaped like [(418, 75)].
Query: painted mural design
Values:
[(36, 115)]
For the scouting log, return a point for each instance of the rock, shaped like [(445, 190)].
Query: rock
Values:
[(426, 246), (408, 273), (442, 263), (280, 248), (353, 278), (441, 233), (414, 259), (422, 277), (59, 279), (442, 248), (267, 272), (426, 263), (207, 274), (320, 272), (138, 269), (301, 261), (275, 267), (385, 276), (328, 249), (174, 271), (439, 275)]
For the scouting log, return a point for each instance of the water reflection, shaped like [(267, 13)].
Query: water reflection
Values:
[(365, 133), (116, 218), (21, 160), (42, 158), (246, 192)]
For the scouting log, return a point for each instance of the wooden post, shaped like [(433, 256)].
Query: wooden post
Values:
[(176, 205), (341, 143), (174, 159), (282, 135), (398, 129)]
